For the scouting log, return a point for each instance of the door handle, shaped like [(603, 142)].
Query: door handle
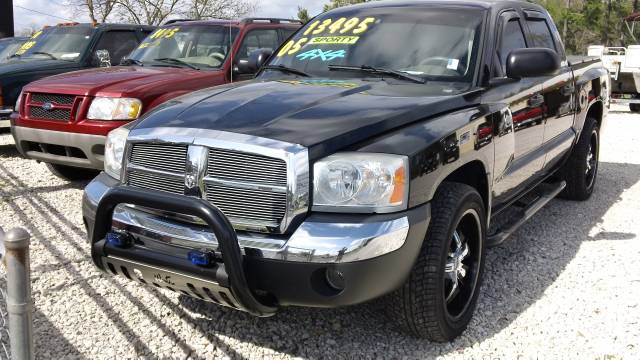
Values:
[(535, 100)]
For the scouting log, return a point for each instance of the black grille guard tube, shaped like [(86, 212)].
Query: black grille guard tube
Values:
[(215, 219)]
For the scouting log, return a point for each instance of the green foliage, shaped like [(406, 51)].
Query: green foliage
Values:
[(589, 22), (339, 3), (303, 15)]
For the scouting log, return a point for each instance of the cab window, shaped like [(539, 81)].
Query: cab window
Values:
[(512, 39), (258, 39), (541, 34), (118, 43)]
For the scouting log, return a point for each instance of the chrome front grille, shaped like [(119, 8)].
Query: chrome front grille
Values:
[(162, 157), (146, 180), (255, 169), (254, 186), (248, 207)]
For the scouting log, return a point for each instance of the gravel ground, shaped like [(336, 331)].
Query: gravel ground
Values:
[(567, 285)]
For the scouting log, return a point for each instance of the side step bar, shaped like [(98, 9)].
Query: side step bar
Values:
[(545, 193)]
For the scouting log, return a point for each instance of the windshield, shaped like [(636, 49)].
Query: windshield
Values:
[(199, 46), (8, 48), (433, 44), (64, 43)]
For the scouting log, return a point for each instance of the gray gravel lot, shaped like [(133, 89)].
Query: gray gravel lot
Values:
[(567, 285)]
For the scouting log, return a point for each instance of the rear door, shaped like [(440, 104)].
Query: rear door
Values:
[(558, 90), (519, 156)]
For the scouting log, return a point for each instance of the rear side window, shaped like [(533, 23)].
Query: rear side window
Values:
[(512, 39), (118, 43), (541, 34)]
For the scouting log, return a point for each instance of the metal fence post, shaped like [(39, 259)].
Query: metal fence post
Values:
[(19, 305)]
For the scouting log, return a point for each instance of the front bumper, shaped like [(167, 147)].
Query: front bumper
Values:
[(373, 253), (5, 117), (63, 148)]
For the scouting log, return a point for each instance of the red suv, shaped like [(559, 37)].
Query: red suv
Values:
[(63, 120)]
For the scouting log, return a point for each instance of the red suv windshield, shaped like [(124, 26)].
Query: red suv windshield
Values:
[(201, 46)]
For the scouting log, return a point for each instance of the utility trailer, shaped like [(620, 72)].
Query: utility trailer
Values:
[(624, 67), (623, 64)]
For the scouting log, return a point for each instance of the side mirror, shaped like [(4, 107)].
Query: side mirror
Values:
[(532, 62), (102, 58), (257, 59)]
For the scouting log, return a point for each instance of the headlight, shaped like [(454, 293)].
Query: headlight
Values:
[(114, 151), (361, 182), (106, 108), (18, 102)]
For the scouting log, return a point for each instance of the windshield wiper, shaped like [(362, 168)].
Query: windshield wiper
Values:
[(15, 56), (177, 61), (44, 53), (131, 62), (373, 70), (286, 69)]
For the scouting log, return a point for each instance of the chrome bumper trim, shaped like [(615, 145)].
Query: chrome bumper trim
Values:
[(314, 242)]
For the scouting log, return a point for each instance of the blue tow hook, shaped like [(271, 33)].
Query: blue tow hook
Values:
[(120, 239), (202, 258)]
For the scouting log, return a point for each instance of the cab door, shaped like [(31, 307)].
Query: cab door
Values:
[(558, 90), (519, 134)]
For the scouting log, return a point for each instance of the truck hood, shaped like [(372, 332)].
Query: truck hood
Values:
[(115, 81), (20, 66), (323, 115)]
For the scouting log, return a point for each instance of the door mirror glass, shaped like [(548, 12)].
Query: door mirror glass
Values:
[(532, 62), (102, 58)]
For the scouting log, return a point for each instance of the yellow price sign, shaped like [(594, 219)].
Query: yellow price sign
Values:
[(340, 26), (26, 46), (166, 33)]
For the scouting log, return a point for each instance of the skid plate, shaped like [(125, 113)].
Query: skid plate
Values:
[(167, 279)]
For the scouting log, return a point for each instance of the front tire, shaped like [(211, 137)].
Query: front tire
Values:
[(634, 108), (438, 299), (72, 173), (581, 170)]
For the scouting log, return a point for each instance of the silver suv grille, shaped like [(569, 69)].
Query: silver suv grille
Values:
[(251, 189)]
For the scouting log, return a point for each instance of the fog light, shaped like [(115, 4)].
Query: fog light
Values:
[(335, 279), (201, 258), (119, 239)]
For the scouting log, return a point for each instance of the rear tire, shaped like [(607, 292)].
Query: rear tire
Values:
[(634, 108), (72, 173), (581, 170), (428, 305)]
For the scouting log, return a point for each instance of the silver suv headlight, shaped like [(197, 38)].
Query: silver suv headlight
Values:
[(107, 108), (114, 151), (361, 183)]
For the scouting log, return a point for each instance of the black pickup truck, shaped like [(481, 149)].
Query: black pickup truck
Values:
[(378, 152), (64, 48)]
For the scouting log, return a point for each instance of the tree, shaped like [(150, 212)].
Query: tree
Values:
[(150, 12), (219, 9), (303, 15), (340, 3), (98, 10)]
